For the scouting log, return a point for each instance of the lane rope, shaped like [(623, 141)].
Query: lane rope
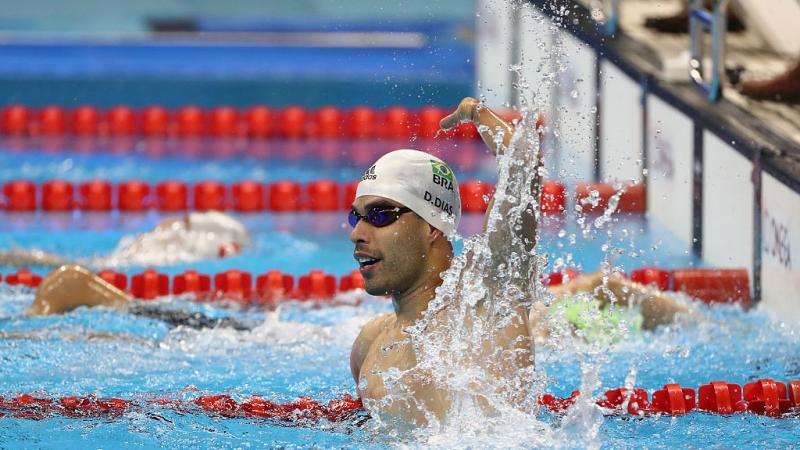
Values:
[(707, 284), (279, 196), (256, 122), (763, 397), (304, 410)]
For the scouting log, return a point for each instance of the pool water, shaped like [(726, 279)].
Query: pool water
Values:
[(302, 349)]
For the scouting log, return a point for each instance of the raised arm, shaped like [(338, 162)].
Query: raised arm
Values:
[(511, 241), (495, 132), (511, 238)]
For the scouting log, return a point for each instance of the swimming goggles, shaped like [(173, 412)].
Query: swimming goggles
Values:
[(378, 216)]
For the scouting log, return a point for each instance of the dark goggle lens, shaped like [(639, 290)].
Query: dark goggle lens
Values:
[(381, 217), (376, 217), (353, 218)]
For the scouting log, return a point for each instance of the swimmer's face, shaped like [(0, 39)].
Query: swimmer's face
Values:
[(392, 258)]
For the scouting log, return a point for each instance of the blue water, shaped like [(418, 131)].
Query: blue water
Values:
[(303, 350), (222, 160)]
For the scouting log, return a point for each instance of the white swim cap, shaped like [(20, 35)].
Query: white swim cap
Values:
[(220, 224), (421, 182)]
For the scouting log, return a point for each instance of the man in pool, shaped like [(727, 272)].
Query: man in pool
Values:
[(193, 237), (594, 304), (407, 207)]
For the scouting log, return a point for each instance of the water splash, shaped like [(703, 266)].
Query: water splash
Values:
[(163, 246), (496, 275), (488, 382)]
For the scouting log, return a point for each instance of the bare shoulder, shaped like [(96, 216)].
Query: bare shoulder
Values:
[(71, 286), (364, 341)]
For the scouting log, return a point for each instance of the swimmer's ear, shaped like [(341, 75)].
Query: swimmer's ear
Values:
[(434, 233)]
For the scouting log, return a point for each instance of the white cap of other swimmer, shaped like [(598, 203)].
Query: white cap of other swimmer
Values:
[(420, 181), (224, 227)]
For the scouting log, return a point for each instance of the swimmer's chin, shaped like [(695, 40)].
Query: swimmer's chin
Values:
[(377, 292)]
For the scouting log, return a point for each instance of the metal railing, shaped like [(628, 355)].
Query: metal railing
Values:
[(606, 13), (715, 22)]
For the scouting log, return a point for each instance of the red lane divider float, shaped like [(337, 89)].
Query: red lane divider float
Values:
[(317, 285), (720, 397), (20, 196), (234, 285), (257, 122), (24, 277), (596, 197), (673, 399), (764, 397), (304, 410), (707, 285), (713, 285), (250, 196)]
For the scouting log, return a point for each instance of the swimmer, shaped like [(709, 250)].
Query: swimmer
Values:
[(406, 210), (194, 237), (407, 207), (71, 286), (595, 303)]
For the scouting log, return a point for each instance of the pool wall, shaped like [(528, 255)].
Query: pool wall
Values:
[(716, 176)]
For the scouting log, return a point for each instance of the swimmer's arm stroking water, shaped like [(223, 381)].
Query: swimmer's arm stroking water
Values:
[(71, 286), (657, 307), (22, 258)]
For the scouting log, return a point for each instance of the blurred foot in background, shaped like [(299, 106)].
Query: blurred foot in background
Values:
[(783, 88), (679, 23)]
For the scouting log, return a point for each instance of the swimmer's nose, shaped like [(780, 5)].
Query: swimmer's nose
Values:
[(359, 233)]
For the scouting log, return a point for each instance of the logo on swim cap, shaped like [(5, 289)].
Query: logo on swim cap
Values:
[(369, 174), (419, 181), (442, 175)]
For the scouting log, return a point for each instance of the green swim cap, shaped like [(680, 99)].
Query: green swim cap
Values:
[(610, 324)]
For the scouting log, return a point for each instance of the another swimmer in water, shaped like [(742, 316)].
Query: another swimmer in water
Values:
[(595, 304), (72, 286), (194, 237), (407, 207)]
